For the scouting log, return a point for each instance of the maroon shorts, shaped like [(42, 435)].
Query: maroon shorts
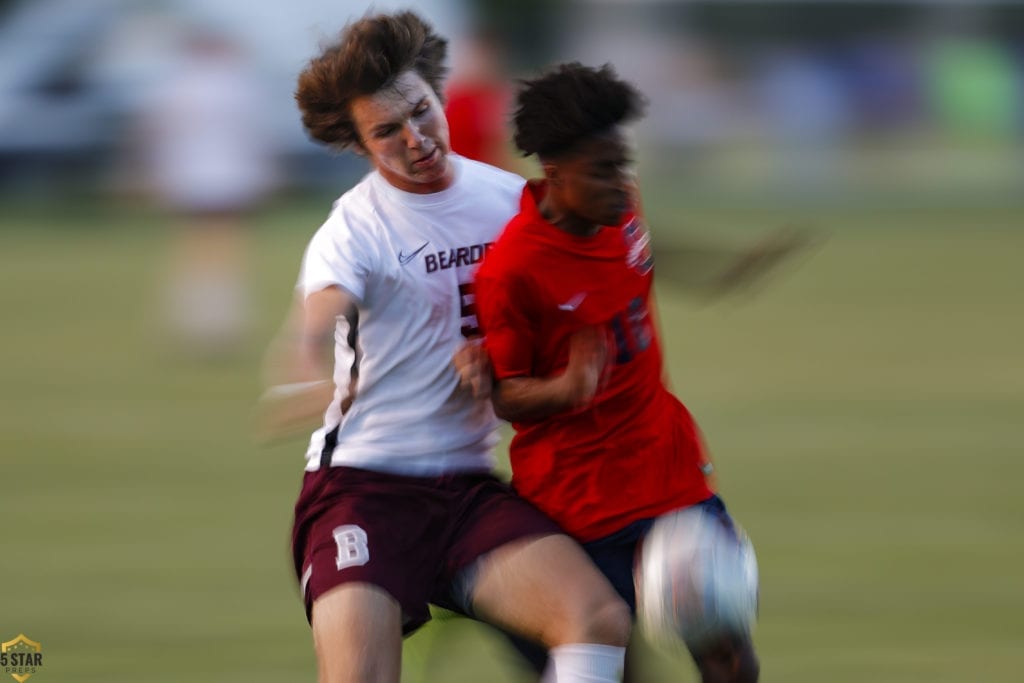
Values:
[(411, 536)]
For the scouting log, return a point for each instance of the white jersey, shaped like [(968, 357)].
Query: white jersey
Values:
[(409, 260)]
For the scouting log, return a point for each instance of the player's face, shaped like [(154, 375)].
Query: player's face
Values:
[(594, 181), (403, 130)]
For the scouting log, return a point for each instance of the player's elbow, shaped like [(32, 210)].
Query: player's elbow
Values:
[(511, 403), (503, 408)]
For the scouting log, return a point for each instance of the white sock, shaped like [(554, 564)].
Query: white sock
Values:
[(585, 663)]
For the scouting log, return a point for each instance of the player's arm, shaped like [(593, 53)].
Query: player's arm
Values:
[(502, 305), (718, 269), (300, 363), (474, 368), (519, 399)]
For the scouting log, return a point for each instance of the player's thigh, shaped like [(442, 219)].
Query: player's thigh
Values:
[(357, 632), (548, 590)]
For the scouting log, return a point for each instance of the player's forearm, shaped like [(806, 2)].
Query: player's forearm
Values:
[(300, 385), (313, 350), (533, 398), (529, 398), (300, 367), (299, 354)]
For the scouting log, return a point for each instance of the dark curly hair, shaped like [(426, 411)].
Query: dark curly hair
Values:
[(369, 55), (571, 103)]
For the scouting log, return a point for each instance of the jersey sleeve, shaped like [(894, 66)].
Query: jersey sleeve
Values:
[(336, 256), (505, 321)]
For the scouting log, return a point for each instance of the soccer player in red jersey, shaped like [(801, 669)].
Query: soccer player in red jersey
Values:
[(564, 300)]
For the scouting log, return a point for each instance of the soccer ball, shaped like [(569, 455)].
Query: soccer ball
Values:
[(696, 580)]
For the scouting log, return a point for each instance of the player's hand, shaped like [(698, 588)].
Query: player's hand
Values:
[(291, 409), (474, 368), (588, 357)]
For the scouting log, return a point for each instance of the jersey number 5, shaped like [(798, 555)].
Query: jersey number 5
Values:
[(467, 304)]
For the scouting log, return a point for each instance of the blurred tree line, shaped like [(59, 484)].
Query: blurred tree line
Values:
[(530, 26)]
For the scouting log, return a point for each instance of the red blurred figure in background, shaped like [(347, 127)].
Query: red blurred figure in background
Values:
[(478, 97)]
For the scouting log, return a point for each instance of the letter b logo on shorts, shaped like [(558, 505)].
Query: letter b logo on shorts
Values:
[(352, 548)]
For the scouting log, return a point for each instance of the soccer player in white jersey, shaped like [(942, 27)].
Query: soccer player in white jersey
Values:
[(398, 507)]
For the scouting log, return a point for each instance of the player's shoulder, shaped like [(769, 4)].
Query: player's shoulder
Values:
[(351, 216), (356, 206), (358, 199), (514, 250)]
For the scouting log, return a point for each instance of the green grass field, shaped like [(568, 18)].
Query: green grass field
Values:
[(865, 409)]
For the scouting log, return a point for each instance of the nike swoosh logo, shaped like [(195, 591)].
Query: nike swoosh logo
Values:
[(573, 303), (405, 258)]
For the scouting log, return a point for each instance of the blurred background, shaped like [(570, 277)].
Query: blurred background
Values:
[(864, 404)]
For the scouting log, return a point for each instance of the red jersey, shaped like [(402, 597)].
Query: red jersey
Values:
[(635, 451)]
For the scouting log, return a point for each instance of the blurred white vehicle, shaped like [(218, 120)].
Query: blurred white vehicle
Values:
[(75, 74)]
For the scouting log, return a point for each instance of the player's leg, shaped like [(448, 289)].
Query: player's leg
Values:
[(614, 555), (731, 660), (548, 590), (357, 633), (515, 569), (535, 656)]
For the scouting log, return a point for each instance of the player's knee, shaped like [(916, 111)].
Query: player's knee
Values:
[(601, 620), (730, 662), (356, 669), (609, 623)]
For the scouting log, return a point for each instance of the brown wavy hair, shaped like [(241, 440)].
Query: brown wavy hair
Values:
[(369, 55)]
